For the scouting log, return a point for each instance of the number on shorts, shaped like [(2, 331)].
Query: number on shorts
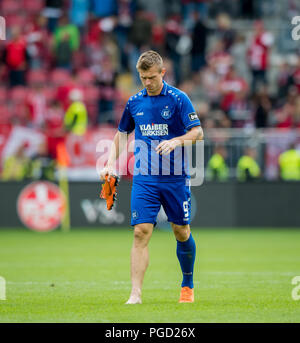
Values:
[(185, 206)]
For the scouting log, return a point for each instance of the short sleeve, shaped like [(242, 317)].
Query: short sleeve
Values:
[(126, 123), (188, 114)]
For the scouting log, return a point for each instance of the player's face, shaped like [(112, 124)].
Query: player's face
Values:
[(152, 79)]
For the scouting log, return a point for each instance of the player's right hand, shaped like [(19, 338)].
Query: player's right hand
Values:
[(109, 171)]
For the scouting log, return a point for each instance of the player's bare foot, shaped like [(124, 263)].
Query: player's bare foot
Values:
[(186, 295), (135, 298)]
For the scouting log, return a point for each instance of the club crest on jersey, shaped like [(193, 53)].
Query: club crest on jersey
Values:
[(166, 113)]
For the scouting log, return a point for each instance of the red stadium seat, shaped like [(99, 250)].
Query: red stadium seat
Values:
[(37, 76), (92, 110), (3, 96), (18, 94), (50, 94), (5, 114), (59, 77), (86, 77), (19, 113), (33, 6), (16, 20), (10, 6), (91, 95)]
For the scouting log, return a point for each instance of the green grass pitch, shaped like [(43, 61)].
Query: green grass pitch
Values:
[(84, 276)]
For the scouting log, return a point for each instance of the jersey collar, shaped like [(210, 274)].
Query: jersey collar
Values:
[(163, 91)]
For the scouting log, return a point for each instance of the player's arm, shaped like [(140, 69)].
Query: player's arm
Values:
[(126, 126), (118, 145), (189, 138)]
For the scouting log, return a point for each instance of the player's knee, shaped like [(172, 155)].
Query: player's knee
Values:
[(142, 232), (181, 232)]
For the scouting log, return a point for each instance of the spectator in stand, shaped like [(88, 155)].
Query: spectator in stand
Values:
[(262, 108), (53, 11), (203, 111), (210, 79), (238, 51), (247, 167), (258, 55), (38, 38), (284, 116), (199, 42), (158, 37), (169, 76), (110, 50), (76, 118), (295, 77), (224, 31), (54, 127), (106, 81), (174, 30), (284, 80), (140, 37), (37, 107), (217, 169), (16, 167), (296, 119), (126, 11), (285, 113), (54, 119), (63, 91), (221, 119), (220, 58), (140, 34), (231, 87), (106, 8), (42, 166), (64, 52), (16, 58), (240, 111), (191, 6), (78, 13), (65, 27), (289, 164)]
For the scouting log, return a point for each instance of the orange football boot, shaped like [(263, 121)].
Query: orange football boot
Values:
[(186, 295), (109, 191)]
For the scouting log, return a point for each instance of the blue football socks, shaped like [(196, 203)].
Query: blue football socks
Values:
[(186, 253)]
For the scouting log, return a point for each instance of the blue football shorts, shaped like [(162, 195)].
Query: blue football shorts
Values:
[(147, 198)]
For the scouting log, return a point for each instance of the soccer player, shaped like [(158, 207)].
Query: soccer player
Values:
[(163, 119)]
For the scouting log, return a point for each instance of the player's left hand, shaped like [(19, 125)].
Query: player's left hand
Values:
[(165, 147)]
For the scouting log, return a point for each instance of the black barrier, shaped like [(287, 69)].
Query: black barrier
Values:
[(265, 204)]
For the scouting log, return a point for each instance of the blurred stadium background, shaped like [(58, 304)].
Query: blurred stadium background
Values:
[(67, 69)]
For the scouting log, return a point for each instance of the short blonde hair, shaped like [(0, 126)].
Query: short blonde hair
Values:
[(148, 59)]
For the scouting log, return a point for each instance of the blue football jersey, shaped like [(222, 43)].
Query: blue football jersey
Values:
[(154, 119)]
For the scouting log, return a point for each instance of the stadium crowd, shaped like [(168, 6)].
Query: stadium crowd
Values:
[(58, 52)]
